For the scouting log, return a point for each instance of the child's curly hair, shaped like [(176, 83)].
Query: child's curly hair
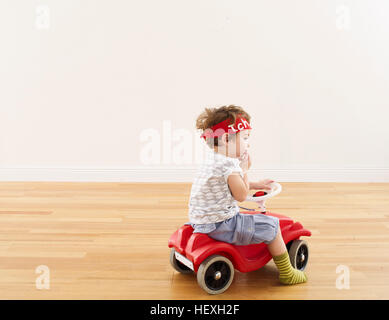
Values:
[(211, 116)]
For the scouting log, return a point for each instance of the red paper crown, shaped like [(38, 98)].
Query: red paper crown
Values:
[(222, 127)]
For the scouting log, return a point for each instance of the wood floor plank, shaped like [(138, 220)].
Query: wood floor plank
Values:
[(109, 241)]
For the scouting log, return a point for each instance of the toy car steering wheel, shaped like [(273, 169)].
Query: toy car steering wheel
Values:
[(261, 196)]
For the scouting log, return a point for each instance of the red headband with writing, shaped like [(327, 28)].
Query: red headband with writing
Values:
[(218, 129)]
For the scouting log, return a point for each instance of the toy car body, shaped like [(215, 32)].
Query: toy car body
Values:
[(198, 246), (214, 260)]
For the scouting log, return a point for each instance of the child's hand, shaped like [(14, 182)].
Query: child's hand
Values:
[(245, 161), (262, 184)]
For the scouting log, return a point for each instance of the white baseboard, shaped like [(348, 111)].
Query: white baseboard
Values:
[(186, 174)]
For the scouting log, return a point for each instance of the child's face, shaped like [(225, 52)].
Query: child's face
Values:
[(239, 145)]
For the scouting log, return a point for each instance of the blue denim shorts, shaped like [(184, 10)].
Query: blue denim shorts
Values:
[(244, 229)]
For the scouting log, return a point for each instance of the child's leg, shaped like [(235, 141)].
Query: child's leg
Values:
[(277, 246), (288, 275)]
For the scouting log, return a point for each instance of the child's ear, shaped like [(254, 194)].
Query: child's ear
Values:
[(224, 138)]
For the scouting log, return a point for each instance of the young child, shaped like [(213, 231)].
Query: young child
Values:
[(222, 181)]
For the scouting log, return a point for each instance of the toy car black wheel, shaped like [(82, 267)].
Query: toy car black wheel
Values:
[(215, 274), (298, 254), (180, 267)]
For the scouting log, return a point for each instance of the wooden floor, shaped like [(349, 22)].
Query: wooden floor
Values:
[(109, 241)]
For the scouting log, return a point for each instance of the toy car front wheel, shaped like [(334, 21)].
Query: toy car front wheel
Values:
[(215, 274), (298, 254), (180, 267)]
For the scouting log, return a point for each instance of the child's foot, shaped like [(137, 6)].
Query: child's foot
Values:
[(294, 277), (288, 275)]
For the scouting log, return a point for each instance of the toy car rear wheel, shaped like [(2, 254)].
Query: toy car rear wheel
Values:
[(298, 254), (180, 267), (215, 274)]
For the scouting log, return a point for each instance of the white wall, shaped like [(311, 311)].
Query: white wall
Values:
[(79, 85)]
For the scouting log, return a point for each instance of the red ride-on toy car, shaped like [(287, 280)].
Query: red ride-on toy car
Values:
[(215, 261)]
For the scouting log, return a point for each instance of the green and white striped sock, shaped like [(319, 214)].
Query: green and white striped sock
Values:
[(288, 275)]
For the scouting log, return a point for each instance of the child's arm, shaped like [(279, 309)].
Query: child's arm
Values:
[(239, 186), (262, 184)]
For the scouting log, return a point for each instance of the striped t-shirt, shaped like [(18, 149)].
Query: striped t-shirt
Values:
[(211, 200)]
